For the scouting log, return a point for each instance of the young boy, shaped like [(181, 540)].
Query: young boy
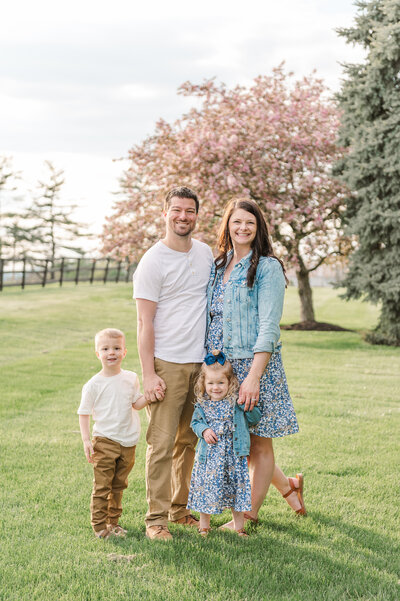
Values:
[(112, 397)]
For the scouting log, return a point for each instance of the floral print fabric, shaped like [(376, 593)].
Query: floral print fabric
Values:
[(278, 416), (222, 481)]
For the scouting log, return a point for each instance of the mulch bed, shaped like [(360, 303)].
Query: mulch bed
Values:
[(315, 325)]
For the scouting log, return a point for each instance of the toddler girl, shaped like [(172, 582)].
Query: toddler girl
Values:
[(220, 477)]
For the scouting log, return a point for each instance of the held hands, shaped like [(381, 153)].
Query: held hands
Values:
[(249, 392), (88, 449), (154, 388), (209, 436)]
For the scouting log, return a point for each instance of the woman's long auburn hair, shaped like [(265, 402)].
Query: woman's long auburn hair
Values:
[(261, 245)]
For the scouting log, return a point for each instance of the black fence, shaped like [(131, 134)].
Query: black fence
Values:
[(27, 271)]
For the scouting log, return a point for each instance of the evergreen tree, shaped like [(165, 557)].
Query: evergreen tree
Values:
[(53, 222), (6, 171), (18, 236), (6, 174), (370, 100)]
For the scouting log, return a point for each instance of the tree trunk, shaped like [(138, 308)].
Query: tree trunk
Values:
[(305, 294), (388, 328)]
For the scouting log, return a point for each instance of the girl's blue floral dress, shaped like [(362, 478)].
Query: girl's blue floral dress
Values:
[(223, 480), (278, 416)]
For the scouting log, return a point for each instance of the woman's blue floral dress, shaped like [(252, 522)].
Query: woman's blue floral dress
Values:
[(278, 416), (223, 480)]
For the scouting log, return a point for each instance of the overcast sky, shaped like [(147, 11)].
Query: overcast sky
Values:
[(81, 82)]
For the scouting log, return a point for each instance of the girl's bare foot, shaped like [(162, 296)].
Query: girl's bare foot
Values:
[(228, 526), (231, 526)]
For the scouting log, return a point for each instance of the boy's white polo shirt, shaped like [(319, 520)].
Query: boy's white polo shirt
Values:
[(177, 282), (109, 401)]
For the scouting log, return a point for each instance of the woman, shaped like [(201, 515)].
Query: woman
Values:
[(245, 301)]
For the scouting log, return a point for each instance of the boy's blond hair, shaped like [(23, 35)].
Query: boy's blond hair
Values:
[(111, 332)]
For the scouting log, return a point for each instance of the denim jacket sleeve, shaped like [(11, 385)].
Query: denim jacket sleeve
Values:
[(198, 423), (253, 416), (271, 291)]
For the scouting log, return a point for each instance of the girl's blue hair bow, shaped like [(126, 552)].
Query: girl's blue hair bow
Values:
[(218, 357)]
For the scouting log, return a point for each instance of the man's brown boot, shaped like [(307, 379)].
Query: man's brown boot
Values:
[(158, 533), (187, 520)]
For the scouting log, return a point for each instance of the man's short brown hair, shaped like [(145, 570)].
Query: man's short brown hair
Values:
[(181, 192)]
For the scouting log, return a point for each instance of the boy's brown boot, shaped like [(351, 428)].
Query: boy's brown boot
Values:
[(117, 530), (158, 533), (104, 534)]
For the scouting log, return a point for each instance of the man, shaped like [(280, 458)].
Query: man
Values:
[(170, 290)]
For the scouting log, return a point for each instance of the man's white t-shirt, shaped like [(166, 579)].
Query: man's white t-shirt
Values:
[(109, 400), (177, 282)]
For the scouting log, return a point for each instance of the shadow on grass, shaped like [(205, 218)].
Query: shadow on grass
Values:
[(277, 561), (321, 557), (379, 549)]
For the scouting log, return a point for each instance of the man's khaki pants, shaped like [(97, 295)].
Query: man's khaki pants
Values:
[(111, 466), (171, 443)]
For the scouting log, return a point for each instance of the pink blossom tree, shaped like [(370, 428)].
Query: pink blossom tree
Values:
[(274, 142)]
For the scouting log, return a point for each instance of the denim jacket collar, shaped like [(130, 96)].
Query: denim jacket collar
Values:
[(245, 262)]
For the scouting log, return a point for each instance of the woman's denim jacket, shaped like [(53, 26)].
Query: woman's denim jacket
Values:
[(241, 436), (251, 315)]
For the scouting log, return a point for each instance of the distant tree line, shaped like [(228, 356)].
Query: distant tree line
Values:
[(40, 226)]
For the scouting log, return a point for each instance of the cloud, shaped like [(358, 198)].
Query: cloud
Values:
[(90, 79), (103, 90)]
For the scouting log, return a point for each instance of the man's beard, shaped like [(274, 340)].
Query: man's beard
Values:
[(184, 234)]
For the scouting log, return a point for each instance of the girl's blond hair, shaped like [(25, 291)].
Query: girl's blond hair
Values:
[(226, 369)]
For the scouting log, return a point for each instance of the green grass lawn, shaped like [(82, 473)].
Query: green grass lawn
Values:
[(346, 395)]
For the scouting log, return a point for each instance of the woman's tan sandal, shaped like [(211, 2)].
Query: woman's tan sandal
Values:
[(241, 532), (204, 531), (299, 491), (249, 517)]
